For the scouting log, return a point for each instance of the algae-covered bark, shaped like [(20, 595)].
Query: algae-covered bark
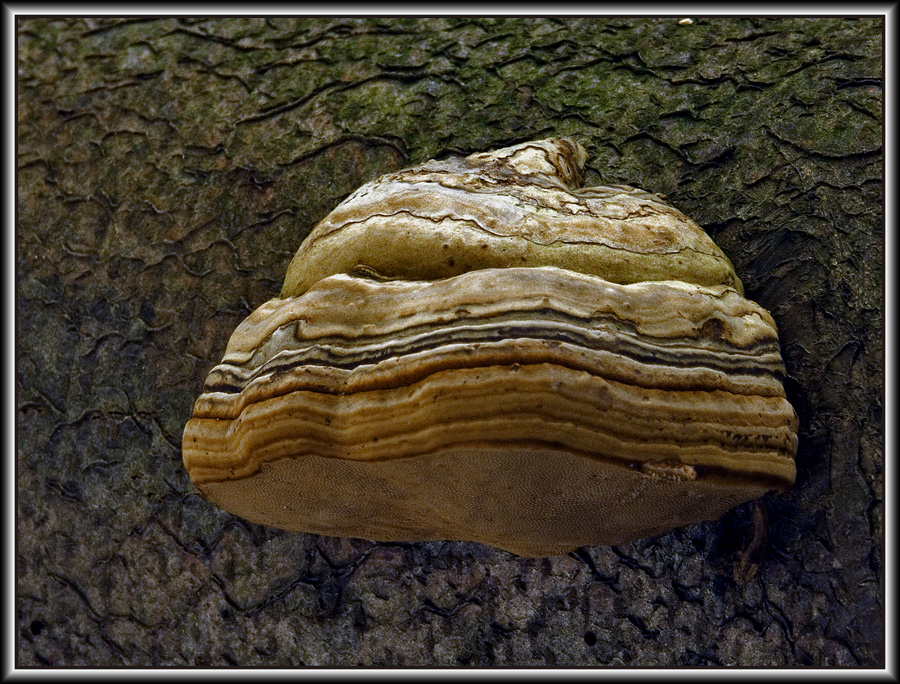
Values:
[(169, 168)]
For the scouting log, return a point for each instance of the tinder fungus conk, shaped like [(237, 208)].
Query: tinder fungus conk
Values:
[(479, 349)]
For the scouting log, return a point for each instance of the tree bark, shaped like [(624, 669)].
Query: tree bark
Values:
[(169, 168)]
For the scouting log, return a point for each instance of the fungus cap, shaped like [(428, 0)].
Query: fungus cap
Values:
[(534, 394)]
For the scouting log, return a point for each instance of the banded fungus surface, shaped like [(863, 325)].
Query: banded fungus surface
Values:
[(480, 349)]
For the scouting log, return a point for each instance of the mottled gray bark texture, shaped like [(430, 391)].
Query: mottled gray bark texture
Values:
[(167, 171)]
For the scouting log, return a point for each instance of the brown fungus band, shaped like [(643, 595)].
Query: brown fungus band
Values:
[(479, 349)]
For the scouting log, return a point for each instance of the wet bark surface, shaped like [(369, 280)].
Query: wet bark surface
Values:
[(169, 168)]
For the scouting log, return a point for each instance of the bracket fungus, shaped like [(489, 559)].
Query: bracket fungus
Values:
[(480, 349)]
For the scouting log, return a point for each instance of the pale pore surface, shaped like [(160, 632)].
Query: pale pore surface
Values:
[(518, 206), (533, 502)]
